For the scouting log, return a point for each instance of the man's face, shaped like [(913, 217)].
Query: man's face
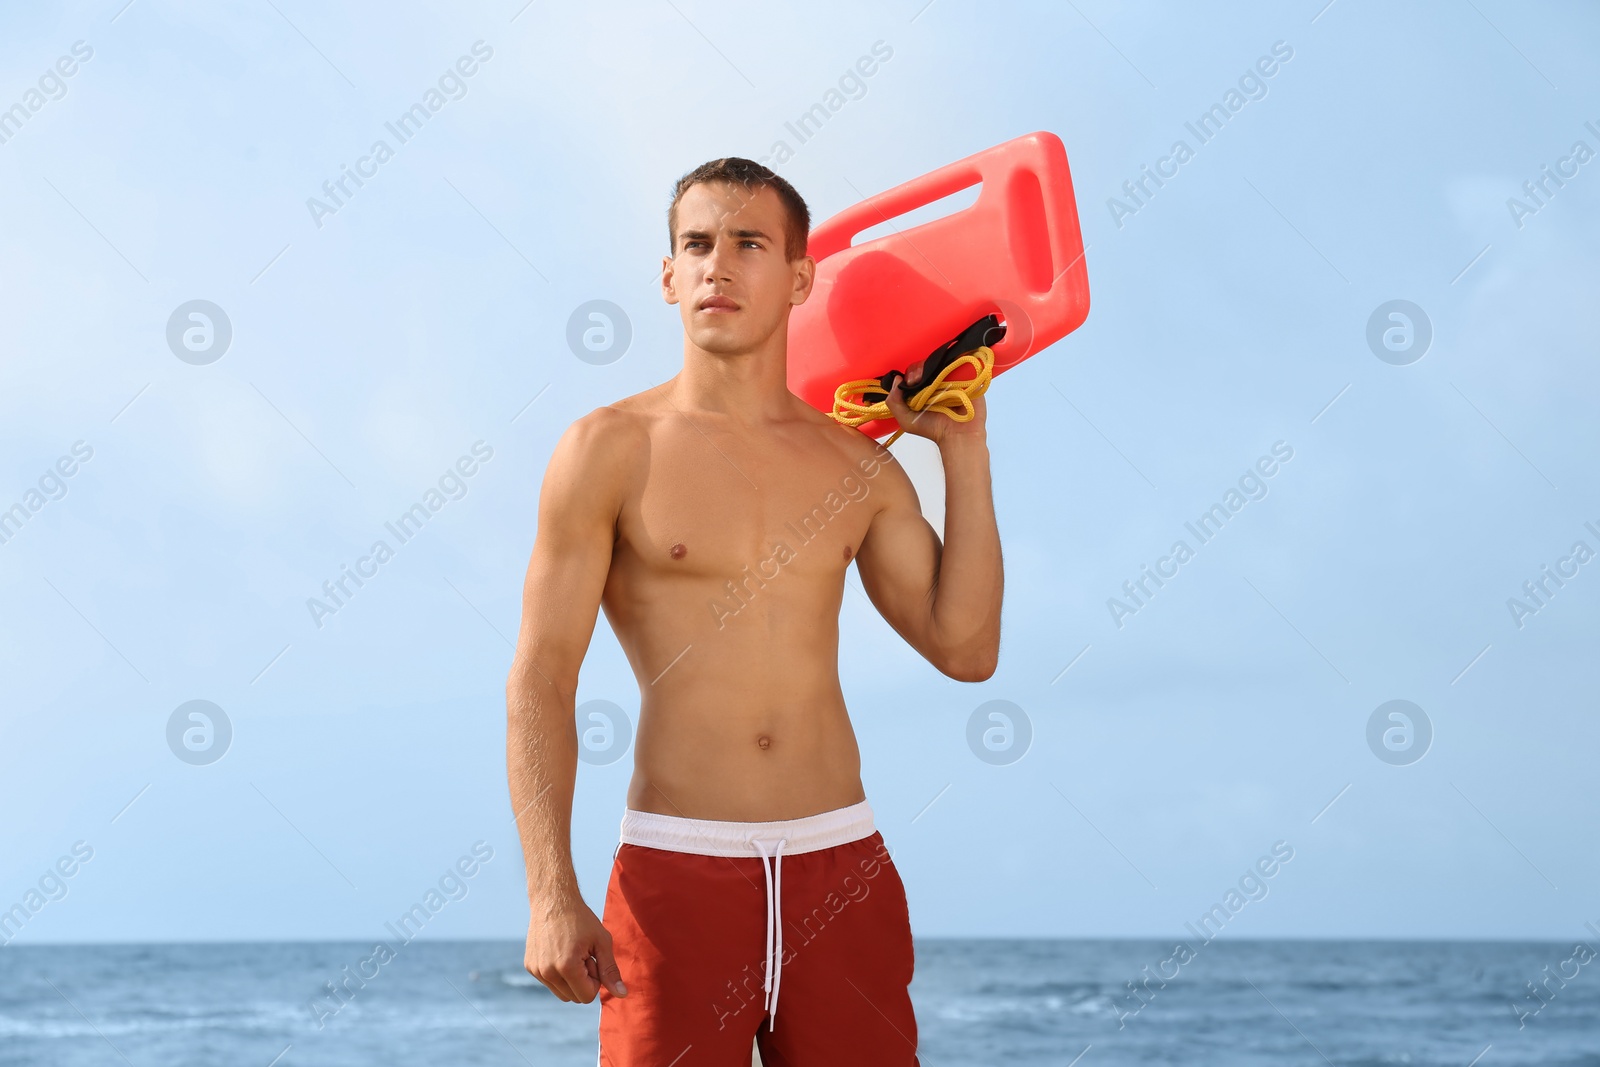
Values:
[(729, 251)]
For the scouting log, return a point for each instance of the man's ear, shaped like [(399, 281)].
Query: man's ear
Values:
[(807, 269), (666, 281)]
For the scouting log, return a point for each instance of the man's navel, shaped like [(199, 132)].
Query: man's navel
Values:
[(763, 742)]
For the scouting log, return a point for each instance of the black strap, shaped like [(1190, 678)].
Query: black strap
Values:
[(986, 331)]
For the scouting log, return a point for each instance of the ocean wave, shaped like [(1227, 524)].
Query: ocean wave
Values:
[(519, 980), (991, 1008)]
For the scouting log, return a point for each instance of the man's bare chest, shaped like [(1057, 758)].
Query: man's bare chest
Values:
[(713, 504)]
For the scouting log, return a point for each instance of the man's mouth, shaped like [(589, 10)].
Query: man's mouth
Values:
[(718, 304)]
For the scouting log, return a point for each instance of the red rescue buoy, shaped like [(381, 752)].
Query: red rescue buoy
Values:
[(1016, 252)]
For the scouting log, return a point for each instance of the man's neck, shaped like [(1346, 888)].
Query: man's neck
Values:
[(750, 387)]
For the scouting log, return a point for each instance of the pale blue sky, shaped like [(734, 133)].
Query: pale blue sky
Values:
[(370, 353)]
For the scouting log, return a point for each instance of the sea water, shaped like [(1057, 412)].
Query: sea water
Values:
[(1022, 1003)]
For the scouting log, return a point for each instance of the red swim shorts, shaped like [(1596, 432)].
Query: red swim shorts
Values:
[(699, 910)]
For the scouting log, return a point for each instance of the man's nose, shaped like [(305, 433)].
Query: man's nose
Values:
[(717, 266)]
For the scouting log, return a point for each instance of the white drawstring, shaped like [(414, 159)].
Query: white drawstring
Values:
[(774, 928)]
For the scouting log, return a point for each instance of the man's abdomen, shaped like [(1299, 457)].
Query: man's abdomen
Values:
[(728, 757)]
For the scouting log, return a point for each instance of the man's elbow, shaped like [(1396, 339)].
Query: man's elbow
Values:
[(976, 666), (527, 683)]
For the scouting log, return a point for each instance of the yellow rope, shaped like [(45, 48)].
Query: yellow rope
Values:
[(953, 399)]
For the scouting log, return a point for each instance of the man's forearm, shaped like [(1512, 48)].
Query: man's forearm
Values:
[(542, 765), (968, 586)]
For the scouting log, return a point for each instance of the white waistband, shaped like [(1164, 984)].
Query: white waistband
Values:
[(711, 837)]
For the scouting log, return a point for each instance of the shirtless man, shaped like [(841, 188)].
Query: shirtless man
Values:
[(714, 518)]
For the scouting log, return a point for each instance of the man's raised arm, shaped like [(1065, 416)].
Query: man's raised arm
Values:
[(944, 599), (578, 506)]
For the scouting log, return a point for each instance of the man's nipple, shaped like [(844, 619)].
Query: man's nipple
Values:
[(847, 553), (679, 550)]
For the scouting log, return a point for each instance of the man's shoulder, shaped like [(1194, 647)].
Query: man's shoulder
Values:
[(624, 421), (869, 462), (606, 440), (863, 452)]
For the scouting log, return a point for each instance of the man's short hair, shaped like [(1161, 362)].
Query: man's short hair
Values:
[(751, 176)]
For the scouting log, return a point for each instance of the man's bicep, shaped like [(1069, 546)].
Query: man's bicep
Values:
[(578, 505), (899, 559)]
